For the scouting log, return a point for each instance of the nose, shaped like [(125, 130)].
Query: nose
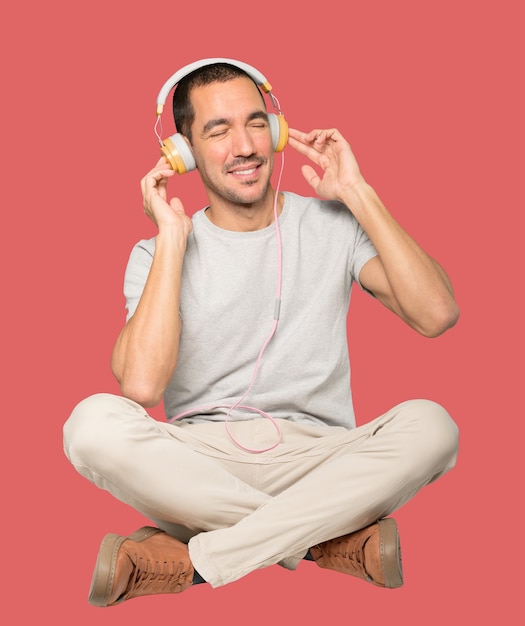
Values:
[(242, 143)]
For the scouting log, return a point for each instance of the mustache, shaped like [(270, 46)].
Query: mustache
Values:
[(239, 161)]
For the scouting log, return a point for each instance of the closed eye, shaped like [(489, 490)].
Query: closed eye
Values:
[(218, 133)]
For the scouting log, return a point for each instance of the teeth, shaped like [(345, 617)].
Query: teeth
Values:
[(244, 172)]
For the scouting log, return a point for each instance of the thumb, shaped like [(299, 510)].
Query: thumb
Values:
[(311, 176), (176, 205)]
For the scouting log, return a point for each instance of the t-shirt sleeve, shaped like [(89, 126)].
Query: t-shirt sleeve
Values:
[(363, 251), (136, 274)]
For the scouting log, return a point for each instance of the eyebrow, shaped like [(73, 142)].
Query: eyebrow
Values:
[(220, 121)]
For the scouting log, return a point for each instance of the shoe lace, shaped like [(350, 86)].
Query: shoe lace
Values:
[(340, 553), (150, 577)]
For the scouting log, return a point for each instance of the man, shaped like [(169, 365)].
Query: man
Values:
[(233, 487)]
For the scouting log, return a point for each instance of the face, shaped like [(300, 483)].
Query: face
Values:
[(232, 142)]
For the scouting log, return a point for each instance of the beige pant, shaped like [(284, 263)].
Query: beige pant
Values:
[(242, 511)]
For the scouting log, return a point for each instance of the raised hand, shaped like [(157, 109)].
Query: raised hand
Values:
[(156, 205), (330, 151)]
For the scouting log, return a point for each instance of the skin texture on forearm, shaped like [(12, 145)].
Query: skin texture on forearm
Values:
[(403, 276), (145, 354), (146, 351), (411, 283)]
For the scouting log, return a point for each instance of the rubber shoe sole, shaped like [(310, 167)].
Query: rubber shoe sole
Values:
[(390, 553)]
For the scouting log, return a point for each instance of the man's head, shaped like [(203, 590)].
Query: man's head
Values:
[(176, 149), (220, 111)]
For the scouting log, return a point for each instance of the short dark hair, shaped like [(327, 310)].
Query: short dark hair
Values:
[(183, 112)]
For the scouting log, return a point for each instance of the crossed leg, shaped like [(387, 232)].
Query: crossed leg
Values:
[(241, 511)]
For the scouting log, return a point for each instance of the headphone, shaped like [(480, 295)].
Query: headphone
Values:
[(175, 148)]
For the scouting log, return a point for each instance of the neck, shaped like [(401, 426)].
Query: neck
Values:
[(244, 218)]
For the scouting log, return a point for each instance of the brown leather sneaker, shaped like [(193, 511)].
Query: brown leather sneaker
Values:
[(372, 553), (147, 562)]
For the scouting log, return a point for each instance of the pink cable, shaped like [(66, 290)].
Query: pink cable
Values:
[(238, 404)]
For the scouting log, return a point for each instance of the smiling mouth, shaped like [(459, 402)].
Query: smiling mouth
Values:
[(244, 167), (246, 172)]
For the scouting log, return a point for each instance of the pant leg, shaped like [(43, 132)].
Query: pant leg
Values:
[(115, 444), (383, 464), (369, 473), (162, 470)]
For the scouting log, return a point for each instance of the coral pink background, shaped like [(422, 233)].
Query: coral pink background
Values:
[(430, 95)]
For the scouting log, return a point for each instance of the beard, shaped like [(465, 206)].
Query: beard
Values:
[(240, 193)]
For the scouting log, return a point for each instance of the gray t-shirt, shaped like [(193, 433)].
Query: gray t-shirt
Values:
[(227, 308)]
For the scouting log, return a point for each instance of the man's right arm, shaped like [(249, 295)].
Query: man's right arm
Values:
[(146, 351)]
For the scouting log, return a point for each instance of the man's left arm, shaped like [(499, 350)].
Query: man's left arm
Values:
[(402, 276)]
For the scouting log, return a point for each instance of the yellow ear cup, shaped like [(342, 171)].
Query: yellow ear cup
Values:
[(279, 130), (178, 154), (283, 134)]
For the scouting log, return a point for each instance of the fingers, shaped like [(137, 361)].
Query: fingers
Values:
[(303, 143), (161, 170), (157, 176), (315, 142), (164, 214), (315, 137)]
